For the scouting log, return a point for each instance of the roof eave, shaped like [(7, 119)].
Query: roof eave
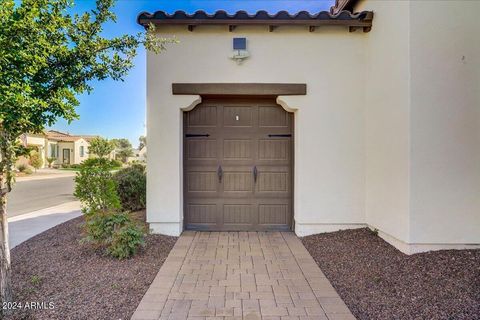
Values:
[(324, 18)]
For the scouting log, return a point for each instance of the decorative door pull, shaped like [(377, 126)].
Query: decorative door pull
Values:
[(191, 135), (220, 173), (279, 135)]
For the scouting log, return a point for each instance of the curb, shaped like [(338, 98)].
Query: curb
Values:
[(61, 208)]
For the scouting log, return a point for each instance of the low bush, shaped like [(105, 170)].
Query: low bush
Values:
[(66, 166), (95, 187), (126, 240), (50, 161), (22, 167), (116, 163), (115, 231), (36, 160), (105, 226), (132, 187), (92, 162)]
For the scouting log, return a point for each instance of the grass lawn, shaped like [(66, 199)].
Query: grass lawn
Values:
[(79, 280)]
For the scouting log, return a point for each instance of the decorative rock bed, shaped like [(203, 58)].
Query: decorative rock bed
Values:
[(377, 281), (79, 281)]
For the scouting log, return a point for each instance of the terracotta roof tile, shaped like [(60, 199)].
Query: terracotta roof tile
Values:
[(344, 18)]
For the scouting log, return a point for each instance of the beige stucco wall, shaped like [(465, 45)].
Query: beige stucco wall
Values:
[(445, 122), (39, 143), (329, 160), (423, 123), (77, 156), (388, 134), (387, 110)]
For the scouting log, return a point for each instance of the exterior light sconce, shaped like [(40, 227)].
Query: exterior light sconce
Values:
[(240, 52)]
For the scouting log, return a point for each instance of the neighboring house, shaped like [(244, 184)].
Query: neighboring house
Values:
[(35, 141), (138, 155), (328, 121), (67, 149)]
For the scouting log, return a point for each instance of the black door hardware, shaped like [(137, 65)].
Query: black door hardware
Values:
[(279, 135), (191, 135), (220, 173)]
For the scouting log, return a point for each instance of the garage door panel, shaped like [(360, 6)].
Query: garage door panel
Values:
[(201, 149), (273, 214), (202, 181), (238, 149), (237, 181), (238, 213), (238, 116), (273, 182), (206, 116), (223, 191), (274, 149), (204, 213), (272, 116)]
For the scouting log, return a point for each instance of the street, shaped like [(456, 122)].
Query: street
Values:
[(36, 205), (28, 196)]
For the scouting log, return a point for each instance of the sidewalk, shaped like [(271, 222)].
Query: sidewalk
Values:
[(47, 174), (241, 275), (25, 226)]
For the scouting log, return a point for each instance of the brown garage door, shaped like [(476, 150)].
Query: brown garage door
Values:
[(238, 165)]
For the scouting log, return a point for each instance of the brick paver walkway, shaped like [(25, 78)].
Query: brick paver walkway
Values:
[(241, 275)]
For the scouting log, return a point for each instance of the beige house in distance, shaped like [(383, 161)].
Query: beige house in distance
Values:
[(67, 149), (364, 115), (139, 155)]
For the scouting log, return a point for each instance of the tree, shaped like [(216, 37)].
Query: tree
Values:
[(123, 149), (101, 147), (143, 142), (47, 58), (36, 160)]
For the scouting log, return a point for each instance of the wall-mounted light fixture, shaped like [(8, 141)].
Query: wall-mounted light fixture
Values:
[(240, 52)]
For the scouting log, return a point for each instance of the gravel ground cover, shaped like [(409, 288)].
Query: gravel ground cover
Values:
[(377, 281), (81, 282)]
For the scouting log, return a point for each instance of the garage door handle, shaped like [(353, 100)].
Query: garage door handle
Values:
[(255, 174), (192, 135), (220, 173), (279, 135)]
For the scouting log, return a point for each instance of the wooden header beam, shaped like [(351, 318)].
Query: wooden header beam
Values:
[(240, 89)]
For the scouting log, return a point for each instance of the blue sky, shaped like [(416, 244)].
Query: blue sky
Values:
[(117, 109)]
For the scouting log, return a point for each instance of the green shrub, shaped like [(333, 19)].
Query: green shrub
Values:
[(101, 225), (132, 187), (66, 166), (95, 187), (104, 225), (115, 231), (28, 171), (95, 162), (125, 241), (50, 161), (36, 160), (116, 163), (22, 167)]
